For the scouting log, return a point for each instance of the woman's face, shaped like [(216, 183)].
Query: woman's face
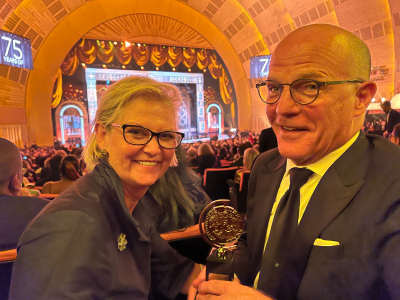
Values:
[(139, 166)]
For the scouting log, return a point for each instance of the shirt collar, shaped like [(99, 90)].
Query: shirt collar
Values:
[(322, 165)]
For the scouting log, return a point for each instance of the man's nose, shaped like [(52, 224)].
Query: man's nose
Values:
[(286, 104)]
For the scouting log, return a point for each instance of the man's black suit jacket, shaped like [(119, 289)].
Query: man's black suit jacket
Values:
[(15, 213), (356, 204), (394, 118)]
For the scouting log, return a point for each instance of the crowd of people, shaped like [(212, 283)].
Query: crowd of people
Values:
[(323, 205)]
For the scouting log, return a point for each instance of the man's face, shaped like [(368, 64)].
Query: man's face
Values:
[(386, 109), (306, 133)]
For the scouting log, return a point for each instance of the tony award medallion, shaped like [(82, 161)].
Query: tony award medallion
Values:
[(220, 226)]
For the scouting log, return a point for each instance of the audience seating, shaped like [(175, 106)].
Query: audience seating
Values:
[(225, 163), (215, 182), (48, 196), (238, 192), (189, 243), (243, 189), (7, 259)]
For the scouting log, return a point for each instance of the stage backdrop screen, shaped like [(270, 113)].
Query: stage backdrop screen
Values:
[(259, 66), (15, 50)]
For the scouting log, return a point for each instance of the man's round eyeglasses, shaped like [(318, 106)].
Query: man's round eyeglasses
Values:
[(138, 135), (303, 91)]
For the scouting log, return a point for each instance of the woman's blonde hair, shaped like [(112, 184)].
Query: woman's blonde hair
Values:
[(205, 149), (249, 156), (116, 97)]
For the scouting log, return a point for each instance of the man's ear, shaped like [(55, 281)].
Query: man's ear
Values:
[(101, 136), (15, 185), (365, 93)]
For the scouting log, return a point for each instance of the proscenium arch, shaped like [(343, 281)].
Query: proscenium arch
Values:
[(75, 25)]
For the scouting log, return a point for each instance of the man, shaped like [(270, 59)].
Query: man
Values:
[(346, 245), (267, 140), (15, 211), (393, 117)]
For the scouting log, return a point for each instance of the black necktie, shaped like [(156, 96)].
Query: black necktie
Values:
[(284, 226)]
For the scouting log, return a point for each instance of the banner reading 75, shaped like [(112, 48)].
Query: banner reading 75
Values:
[(15, 50)]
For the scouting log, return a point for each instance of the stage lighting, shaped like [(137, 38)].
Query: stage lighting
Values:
[(204, 70), (123, 67), (115, 43), (373, 100), (142, 67), (157, 68), (83, 64), (173, 69), (190, 70), (138, 45), (127, 44), (104, 66), (383, 99)]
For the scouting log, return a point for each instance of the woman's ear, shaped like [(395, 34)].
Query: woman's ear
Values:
[(101, 136), (365, 93)]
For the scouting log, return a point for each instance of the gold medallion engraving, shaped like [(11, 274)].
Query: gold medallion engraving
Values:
[(220, 224)]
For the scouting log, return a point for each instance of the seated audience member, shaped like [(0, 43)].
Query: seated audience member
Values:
[(191, 158), (61, 153), (95, 241), (324, 207), (234, 153), (28, 171), (249, 156), (179, 194), (395, 136), (222, 153), (15, 211), (46, 170), (55, 163), (267, 140), (239, 161), (70, 170), (206, 158)]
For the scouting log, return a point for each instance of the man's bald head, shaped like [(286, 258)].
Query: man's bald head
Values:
[(10, 162), (352, 55)]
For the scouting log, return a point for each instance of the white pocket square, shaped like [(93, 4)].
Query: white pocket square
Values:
[(325, 243)]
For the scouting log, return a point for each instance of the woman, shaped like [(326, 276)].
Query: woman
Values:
[(250, 154), (206, 158), (70, 170), (95, 241)]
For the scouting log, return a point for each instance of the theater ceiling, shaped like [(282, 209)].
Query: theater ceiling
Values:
[(237, 29)]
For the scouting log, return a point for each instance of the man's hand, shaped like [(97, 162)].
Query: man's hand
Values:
[(218, 289)]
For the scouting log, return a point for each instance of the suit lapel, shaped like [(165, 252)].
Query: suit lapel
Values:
[(335, 191), (270, 177)]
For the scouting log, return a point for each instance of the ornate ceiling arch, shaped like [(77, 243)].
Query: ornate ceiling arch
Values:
[(237, 29)]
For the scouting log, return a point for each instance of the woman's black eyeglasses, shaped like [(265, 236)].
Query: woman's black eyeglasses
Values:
[(138, 135)]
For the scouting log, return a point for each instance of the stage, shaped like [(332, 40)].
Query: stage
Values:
[(204, 140)]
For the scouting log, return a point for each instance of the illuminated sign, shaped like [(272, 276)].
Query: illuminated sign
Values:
[(15, 51), (259, 66)]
